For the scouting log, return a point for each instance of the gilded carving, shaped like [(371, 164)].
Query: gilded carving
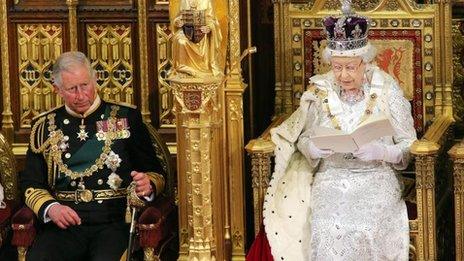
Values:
[(425, 166), (38, 47), (193, 96), (304, 7), (457, 155), (235, 109), (72, 21), (196, 40), (8, 170), (458, 170), (7, 115), (143, 57), (238, 239), (392, 5), (234, 27), (260, 174), (357, 5), (458, 69), (110, 52), (164, 64), (149, 254)]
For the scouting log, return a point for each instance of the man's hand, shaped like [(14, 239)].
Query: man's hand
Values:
[(143, 187), (63, 216)]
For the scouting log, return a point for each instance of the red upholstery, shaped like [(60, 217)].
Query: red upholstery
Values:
[(5, 214), (152, 224), (23, 228)]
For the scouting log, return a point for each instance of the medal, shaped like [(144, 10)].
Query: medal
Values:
[(82, 135)]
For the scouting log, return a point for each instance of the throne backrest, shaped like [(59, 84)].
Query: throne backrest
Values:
[(410, 42)]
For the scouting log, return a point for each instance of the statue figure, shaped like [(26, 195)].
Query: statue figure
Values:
[(197, 39)]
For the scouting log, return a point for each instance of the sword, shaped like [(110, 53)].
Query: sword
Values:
[(133, 204)]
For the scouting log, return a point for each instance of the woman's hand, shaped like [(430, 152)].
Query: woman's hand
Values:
[(316, 153), (378, 151)]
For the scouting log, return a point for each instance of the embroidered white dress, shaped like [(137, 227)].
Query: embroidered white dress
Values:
[(357, 212)]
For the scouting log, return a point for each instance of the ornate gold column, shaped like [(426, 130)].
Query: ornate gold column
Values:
[(457, 155), (72, 21), (283, 85), (7, 119), (143, 58), (199, 167), (234, 231), (446, 55), (425, 153)]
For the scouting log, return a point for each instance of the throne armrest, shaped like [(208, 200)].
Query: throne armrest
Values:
[(24, 230), (261, 150)]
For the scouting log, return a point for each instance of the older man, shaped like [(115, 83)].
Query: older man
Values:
[(81, 158)]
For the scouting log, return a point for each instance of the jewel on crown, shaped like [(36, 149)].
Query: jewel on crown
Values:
[(348, 31)]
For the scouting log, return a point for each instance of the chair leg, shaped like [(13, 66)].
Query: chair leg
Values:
[(22, 253), (149, 254)]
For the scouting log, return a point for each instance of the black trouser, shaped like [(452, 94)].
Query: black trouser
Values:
[(102, 242)]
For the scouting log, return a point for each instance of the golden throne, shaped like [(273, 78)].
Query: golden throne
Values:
[(414, 46), (155, 226)]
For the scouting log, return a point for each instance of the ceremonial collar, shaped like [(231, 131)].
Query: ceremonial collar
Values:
[(327, 81), (96, 103)]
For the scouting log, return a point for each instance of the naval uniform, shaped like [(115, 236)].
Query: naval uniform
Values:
[(85, 162)]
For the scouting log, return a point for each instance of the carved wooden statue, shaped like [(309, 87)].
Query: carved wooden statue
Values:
[(197, 40)]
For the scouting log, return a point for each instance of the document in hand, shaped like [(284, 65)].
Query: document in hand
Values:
[(371, 129)]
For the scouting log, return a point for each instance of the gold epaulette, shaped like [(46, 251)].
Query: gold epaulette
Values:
[(120, 103), (37, 138), (46, 112)]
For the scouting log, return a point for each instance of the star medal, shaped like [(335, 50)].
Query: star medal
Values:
[(82, 135)]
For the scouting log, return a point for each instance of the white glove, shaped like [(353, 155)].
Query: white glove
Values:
[(378, 151), (316, 153)]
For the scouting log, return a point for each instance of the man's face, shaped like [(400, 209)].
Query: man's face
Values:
[(348, 71), (77, 88)]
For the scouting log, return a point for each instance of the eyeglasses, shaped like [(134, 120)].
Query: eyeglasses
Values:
[(350, 68), (74, 89)]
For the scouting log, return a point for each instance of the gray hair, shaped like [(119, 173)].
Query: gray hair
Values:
[(367, 56), (66, 61)]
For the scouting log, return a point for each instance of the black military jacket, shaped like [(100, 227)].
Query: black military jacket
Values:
[(45, 177)]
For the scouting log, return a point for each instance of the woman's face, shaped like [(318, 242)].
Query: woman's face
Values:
[(348, 71)]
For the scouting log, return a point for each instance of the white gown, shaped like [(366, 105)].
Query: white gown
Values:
[(357, 212)]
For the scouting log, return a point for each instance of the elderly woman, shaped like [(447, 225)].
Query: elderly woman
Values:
[(322, 205)]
